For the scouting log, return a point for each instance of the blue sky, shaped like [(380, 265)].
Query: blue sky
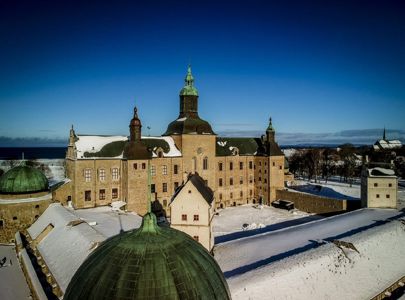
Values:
[(314, 66)]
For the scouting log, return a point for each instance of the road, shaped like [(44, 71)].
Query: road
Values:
[(243, 255)]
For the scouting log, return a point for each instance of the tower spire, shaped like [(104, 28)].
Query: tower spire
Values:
[(189, 80)]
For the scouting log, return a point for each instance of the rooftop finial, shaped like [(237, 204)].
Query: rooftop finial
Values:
[(189, 78), (270, 127), (135, 112)]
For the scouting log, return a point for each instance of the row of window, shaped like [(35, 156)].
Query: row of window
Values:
[(240, 194), (101, 194), (195, 217), (376, 184), (251, 166), (164, 170), (164, 187), (386, 196), (220, 180), (101, 174)]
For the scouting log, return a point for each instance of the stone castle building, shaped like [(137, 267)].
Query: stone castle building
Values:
[(103, 169)]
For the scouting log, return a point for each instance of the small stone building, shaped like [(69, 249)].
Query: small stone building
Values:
[(192, 210), (24, 196), (379, 188)]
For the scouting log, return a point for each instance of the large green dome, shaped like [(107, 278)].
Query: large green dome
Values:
[(22, 180), (151, 262)]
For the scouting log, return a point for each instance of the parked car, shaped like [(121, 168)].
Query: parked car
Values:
[(283, 204)]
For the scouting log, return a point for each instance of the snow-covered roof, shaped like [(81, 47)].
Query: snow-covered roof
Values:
[(94, 143), (97, 146), (385, 144), (378, 172), (67, 245), (173, 150)]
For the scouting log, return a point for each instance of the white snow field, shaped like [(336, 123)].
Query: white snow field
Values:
[(293, 263), (329, 272)]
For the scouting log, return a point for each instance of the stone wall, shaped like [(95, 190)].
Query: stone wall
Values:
[(316, 204)]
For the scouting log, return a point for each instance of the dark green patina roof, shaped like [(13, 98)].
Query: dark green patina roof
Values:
[(190, 125), (114, 149), (151, 262), (189, 89), (22, 180), (246, 146)]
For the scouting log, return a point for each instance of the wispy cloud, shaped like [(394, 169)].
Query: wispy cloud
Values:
[(365, 136)]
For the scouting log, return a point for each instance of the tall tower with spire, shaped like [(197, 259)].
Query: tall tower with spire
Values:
[(134, 148)]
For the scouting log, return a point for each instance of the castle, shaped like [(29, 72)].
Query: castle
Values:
[(105, 169)]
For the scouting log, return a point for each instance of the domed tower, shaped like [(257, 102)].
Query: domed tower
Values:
[(24, 196), (193, 135), (134, 148), (151, 262), (270, 131), (188, 121)]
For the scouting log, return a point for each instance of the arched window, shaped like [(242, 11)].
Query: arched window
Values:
[(205, 163)]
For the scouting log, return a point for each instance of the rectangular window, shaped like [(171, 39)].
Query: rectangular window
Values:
[(87, 175), (241, 165), (164, 187), (250, 165), (280, 167), (265, 180), (241, 194), (184, 217), (135, 166), (152, 188), (250, 192), (205, 163), (115, 173), (220, 182), (114, 193), (164, 170), (231, 181), (175, 169), (389, 184), (143, 166), (87, 196), (101, 174), (196, 217), (250, 179), (101, 194), (260, 179), (274, 164), (378, 195), (220, 166), (231, 166), (375, 184), (260, 163), (231, 195), (387, 196), (152, 170), (241, 180)]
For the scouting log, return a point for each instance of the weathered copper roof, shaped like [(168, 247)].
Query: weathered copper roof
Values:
[(23, 179), (151, 262), (190, 125)]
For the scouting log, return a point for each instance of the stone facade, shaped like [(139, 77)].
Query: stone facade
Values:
[(18, 212), (239, 171)]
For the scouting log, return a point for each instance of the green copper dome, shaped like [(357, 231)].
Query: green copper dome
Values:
[(151, 262), (189, 89), (22, 180)]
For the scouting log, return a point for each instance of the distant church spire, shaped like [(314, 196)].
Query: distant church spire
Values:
[(270, 131)]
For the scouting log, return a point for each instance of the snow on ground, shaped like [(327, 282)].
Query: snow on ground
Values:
[(326, 273), (231, 219), (243, 255), (12, 280), (332, 189), (289, 152)]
